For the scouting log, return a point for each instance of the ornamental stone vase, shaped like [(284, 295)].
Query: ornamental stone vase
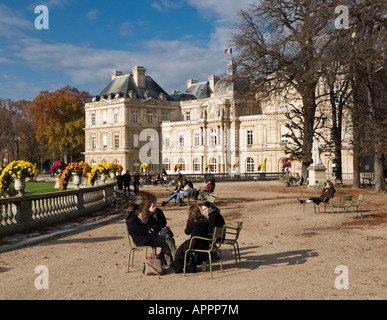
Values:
[(113, 175), (77, 179), (103, 177), (20, 185)]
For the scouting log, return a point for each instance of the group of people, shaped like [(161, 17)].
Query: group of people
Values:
[(124, 181), (149, 228), (185, 189)]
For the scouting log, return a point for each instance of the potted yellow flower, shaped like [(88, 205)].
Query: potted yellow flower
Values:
[(177, 167), (76, 170), (17, 171), (143, 168), (207, 166)]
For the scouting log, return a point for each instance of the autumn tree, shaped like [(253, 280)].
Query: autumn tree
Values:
[(58, 119), (280, 47), (17, 138)]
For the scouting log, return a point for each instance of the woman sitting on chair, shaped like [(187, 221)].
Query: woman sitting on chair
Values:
[(327, 194), (141, 236), (197, 225)]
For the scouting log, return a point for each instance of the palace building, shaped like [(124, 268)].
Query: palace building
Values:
[(134, 121)]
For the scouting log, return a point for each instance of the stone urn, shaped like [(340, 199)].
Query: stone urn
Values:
[(113, 175), (20, 185), (77, 179), (103, 177)]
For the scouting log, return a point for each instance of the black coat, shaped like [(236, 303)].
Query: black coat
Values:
[(139, 231), (156, 221), (200, 230), (215, 219)]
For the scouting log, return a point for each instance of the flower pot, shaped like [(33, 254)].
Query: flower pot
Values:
[(20, 185), (113, 175), (103, 177), (77, 179)]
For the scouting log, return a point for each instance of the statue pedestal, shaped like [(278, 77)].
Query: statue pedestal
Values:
[(316, 174)]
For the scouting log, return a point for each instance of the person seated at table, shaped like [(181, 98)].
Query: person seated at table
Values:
[(327, 194), (175, 194)]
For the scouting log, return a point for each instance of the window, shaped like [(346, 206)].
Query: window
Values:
[(213, 137), (116, 116), (196, 164), (93, 143), (182, 162), (181, 140), (135, 116), (93, 119), (116, 141), (213, 167), (250, 165), (249, 137), (104, 117), (167, 142), (104, 141), (188, 115), (197, 139), (150, 117), (167, 164), (165, 116), (135, 141)]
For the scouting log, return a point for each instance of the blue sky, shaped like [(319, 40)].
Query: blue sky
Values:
[(175, 40)]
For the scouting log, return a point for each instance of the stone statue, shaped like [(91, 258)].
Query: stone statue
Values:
[(316, 153)]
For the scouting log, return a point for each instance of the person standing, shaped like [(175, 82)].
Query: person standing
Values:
[(136, 183), (126, 179)]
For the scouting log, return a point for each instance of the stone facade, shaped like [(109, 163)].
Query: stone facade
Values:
[(135, 121)]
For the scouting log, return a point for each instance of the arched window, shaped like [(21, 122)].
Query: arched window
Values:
[(182, 162), (196, 165), (167, 164), (250, 165), (213, 168)]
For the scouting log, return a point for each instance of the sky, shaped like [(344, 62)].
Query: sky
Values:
[(85, 40)]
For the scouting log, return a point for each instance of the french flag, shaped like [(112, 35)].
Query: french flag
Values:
[(228, 51)]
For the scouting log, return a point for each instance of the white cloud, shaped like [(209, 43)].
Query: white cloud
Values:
[(93, 14)]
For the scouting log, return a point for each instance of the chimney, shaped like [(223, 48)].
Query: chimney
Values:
[(231, 68), (116, 73), (139, 76), (213, 80), (190, 82)]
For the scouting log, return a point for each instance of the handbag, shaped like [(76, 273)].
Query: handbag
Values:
[(166, 230), (152, 266)]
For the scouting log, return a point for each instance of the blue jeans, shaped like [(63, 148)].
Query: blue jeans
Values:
[(175, 195)]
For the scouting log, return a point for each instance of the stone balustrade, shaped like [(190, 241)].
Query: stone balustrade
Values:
[(29, 212)]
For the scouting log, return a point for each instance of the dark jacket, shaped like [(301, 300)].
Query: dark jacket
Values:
[(200, 230), (126, 178), (139, 231), (156, 221), (328, 193), (215, 219)]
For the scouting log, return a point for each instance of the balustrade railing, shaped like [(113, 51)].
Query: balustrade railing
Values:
[(18, 214)]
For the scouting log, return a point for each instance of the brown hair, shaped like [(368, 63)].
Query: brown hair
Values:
[(132, 208), (145, 208), (195, 215)]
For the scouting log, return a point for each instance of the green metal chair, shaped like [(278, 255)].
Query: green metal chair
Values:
[(358, 204), (134, 248), (231, 238), (119, 200), (345, 203), (214, 246)]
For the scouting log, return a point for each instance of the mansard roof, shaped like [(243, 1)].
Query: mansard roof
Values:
[(125, 86)]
